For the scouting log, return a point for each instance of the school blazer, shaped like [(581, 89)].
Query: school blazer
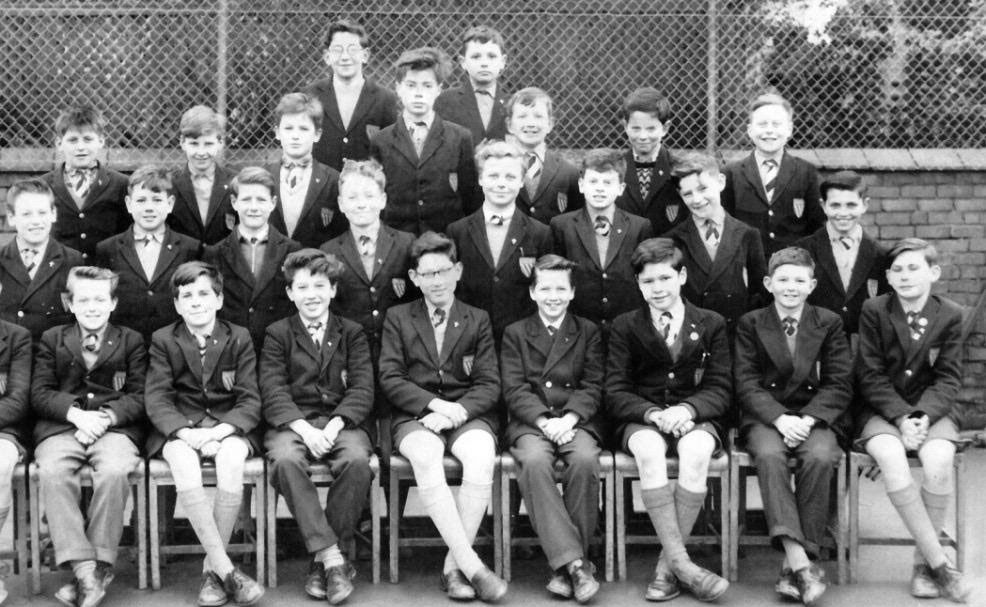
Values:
[(116, 382), (36, 304), (817, 382), (602, 291), (430, 193), (661, 203), (366, 300), (732, 284), (145, 304), (501, 288), (185, 218), (376, 108), (251, 302), (15, 382), (103, 213), (465, 371), (557, 191), (795, 211), (900, 376), (868, 278), (320, 219), (183, 389), (458, 105), (546, 376)]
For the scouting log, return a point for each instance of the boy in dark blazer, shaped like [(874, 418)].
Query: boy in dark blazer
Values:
[(667, 386), (650, 192), (317, 386), (145, 256), (909, 370), (439, 371), (497, 244), (355, 108), (88, 196), (431, 175), (203, 402), (793, 377), (33, 265), (601, 238), (202, 209), (724, 256), (306, 192), (771, 190), (250, 258), (478, 103), (88, 399), (551, 365)]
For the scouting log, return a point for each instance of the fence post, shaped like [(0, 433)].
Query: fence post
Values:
[(712, 70), (222, 41)]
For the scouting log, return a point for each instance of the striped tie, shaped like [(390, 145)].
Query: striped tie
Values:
[(533, 174)]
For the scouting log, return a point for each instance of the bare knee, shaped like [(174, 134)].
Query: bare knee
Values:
[(476, 451), (424, 451), (694, 455), (937, 460), (230, 463), (649, 449), (186, 469), (891, 457)]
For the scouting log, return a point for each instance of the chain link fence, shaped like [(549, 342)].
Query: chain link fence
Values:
[(860, 73)]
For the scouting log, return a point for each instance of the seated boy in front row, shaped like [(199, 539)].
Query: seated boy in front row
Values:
[(203, 402), (909, 370), (667, 384), (316, 381), (88, 398), (794, 383)]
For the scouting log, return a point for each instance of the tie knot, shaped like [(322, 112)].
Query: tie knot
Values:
[(90, 342), (552, 329), (917, 323), (364, 240), (846, 242), (438, 317), (297, 164), (315, 326), (203, 341), (601, 225), (484, 92), (29, 251), (790, 325), (496, 220), (770, 164)]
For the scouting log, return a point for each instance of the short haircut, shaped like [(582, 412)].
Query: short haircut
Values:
[(914, 244), (482, 34), (90, 273), (495, 148), (345, 26), (770, 99), (528, 97), (693, 163), (849, 181), (656, 250), (80, 117), (424, 58), (794, 256), (649, 101), (155, 179), (33, 185), (300, 103), (550, 262), (252, 176), (189, 272), (603, 160), (370, 168), (316, 262), (433, 242), (199, 121)]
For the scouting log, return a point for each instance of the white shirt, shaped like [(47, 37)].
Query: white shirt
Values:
[(293, 199), (677, 312), (150, 250), (845, 258)]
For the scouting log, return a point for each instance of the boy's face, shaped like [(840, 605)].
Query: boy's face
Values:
[(770, 128), (345, 55), (148, 208), (911, 276), (32, 217), (501, 180), (701, 192), (80, 147), (483, 61), (91, 303), (197, 303), (361, 199), (201, 151), (530, 124), (660, 284), (790, 285), (311, 293), (601, 188), (418, 91), (436, 276), (645, 132), (844, 208), (253, 204), (552, 293), (297, 134)]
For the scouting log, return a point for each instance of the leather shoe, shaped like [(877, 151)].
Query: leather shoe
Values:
[(705, 585), (315, 580), (489, 587), (457, 587), (67, 594), (339, 582), (663, 587), (810, 582), (242, 588), (90, 591), (922, 584), (559, 584), (787, 585), (951, 583), (212, 593), (584, 584)]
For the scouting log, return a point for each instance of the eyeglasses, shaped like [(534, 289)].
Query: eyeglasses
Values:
[(434, 274), (352, 50)]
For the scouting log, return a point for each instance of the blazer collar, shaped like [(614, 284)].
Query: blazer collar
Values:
[(51, 261), (898, 319), (422, 324), (205, 367)]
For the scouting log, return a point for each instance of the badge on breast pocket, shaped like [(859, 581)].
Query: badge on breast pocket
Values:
[(671, 212), (526, 265), (467, 364), (933, 355), (872, 286), (399, 286), (327, 217), (230, 221), (371, 130), (229, 379), (344, 376), (562, 202), (453, 181), (119, 380), (746, 278), (3, 383), (799, 207)]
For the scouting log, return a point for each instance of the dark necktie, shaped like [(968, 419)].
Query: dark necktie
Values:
[(532, 175), (295, 169), (917, 325), (664, 325), (846, 242), (496, 220), (602, 226), (552, 329), (30, 257), (770, 177), (438, 317), (364, 245), (313, 330), (91, 342), (790, 326), (418, 137), (711, 232), (203, 342)]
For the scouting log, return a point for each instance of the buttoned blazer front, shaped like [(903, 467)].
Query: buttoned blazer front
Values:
[(103, 212), (36, 303), (185, 217)]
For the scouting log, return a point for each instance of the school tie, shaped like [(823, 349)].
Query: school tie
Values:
[(664, 325), (147, 260), (366, 252), (295, 169), (81, 181), (315, 330), (769, 178), (790, 326), (203, 342), (438, 317), (552, 329), (91, 342), (496, 220), (645, 172), (846, 242), (711, 231), (30, 258), (418, 135), (532, 175), (917, 325), (602, 226), (484, 101)]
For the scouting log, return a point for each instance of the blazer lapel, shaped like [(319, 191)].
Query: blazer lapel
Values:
[(691, 325), (915, 348), (588, 237), (616, 235), (277, 215), (220, 335), (365, 101), (726, 251), (330, 105), (660, 174), (303, 338), (15, 265), (477, 225), (548, 173), (810, 337), (436, 136), (696, 249), (422, 324), (277, 244), (515, 234), (455, 326), (775, 341), (220, 185), (101, 183), (401, 140), (111, 343), (183, 185), (127, 246), (51, 261), (169, 250), (633, 184), (467, 100), (330, 341), (861, 269), (385, 242), (650, 340), (565, 340), (73, 343), (318, 182), (537, 336), (825, 259), (352, 256), (751, 172), (190, 349), (785, 172), (231, 251)]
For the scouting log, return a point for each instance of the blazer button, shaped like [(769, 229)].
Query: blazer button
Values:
[(771, 234), (547, 384), (20, 313), (568, 385), (604, 275), (345, 139), (845, 309), (376, 313), (605, 300), (908, 373), (82, 215), (250, 310), (209, 411), (496, 279), (325, 397), (82, 236), (149, 292), (671, 375), (773, 385), (373, 289), (532, 210), (770, 213), (421, 203), (90, 396)]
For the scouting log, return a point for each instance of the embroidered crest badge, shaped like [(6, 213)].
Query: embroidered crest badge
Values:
[(119, 380), (327, 217), (230, 221), (3, 383), (933, 355), (562, 202), (345, 379), (872, 286), (399, 286), (371, 130), (453, 181), (799, 207), (467, 363), (671, 211), (526, 265)]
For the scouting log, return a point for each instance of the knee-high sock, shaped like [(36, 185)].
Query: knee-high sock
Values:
[(687, 505), (440, 506), (937, 506), (663, 515), (226, 511), (195, 503), (472, 501), (4, 512), (908, 503)]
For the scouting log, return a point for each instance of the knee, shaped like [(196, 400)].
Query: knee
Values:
[(287, 459), (114, 468), (821, 456), (423, 450), (937, 458), (648, 449), (583, 464), (535, 463), (354, 464)]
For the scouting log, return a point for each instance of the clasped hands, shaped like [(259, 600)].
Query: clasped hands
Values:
[(90, 425), (444, 415), (559, 430), (675, 420), (205, 440), (794, 428), (319, 442), (913, 431)]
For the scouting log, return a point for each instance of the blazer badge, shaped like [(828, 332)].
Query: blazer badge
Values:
[(326, 217), (371, 130), (467, 363), (119, 380), (562, 202), (399, 286), (230, 221), (671, 211), (526, 265), (345, 379), (453, 181), (229, 379), (3, 383), (933, 355), (872, 287), (799, 207)]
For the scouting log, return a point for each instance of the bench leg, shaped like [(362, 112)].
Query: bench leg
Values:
[(271, 509), (843, 516), (496, 504), (376, 494), (619, 512), (155, 548), (140, 503), (393, 521), (506, 524)]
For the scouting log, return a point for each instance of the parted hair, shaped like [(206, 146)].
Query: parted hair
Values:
[(80, 117), (424, 58), (345, 26), (849, 181), (550, 262), (656, 250), (602, 160), (316, 262), (795, 256), (90, 273), (914, 244), (153, 178), (649, 101), (370, 168), (33, 185), (300, 103), (200, 120), (481, 34), (189, 272), (433, 242), (252, 176)]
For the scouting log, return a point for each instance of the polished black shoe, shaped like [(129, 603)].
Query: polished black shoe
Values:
[(66, 595), (810, 582), (584, 584), (559, 584), (339, 582), (315, 580), (90, 591), (212, 593), (951, 583), (489, 587), (787, 585), (242, 589), (456, 586), (663, 587)]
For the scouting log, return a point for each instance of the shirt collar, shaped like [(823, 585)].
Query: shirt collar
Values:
[(431, 308), (608, 213), (782, 314), (372, 233), (41, 248), (261, 236), (856, 234), (491, 89), (540, 150), (556, 324), (324, 319), (356, 84), (719, 218), (779, 157), (94, 167), (306, 161), (652, 157), (208, 332), (209, 173), (409, 122), (141, 234), (507, 214), (99, 334)]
